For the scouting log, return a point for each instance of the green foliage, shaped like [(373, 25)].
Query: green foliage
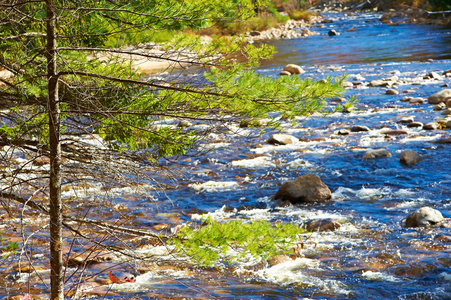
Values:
[(233, 240), (439, 5)]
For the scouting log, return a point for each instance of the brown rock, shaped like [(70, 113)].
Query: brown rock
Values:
[(439, 96), (278, 259), (394, 132), (431, 126), (415, 124), (321, 225), (417, 100), (359, 128), (446, 112), (304, 189), (410, 157), (285, 73), (406, 120), (446, 239), (391, 92)]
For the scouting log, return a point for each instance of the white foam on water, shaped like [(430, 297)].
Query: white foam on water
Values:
[(262, 161), (290, 273), (378, 276), (445, 276), (220, 214), (147, 280), (214, 186), (343, 193)]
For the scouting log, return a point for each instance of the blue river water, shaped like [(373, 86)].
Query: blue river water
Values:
[(372, 256)]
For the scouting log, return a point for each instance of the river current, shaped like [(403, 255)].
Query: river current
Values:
[(372, 255)]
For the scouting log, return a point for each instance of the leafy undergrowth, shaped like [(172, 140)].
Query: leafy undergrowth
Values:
[(234, 240)]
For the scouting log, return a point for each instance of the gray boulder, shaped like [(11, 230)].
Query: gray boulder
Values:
[(304, 189), (377, 153), (424, 217), (293, 69), (282, 139), (439, 96), (410, 157)]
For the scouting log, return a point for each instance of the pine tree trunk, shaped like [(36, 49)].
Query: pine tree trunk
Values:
[(56, 258)]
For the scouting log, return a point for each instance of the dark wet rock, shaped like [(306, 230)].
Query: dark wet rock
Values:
[(410, 158), (293, 69), (391, 92), (423, 217), (406, 120), (343, 132), (448, 124), (431, 126), (440, 106), (445, 239), (184, 123), (439, 96), (447, 72), (448, 102), (325, 21), (415, 124), (304, 189), (285, 73), (446, 112), (282, 139), (333, 32), (394, 132), (444, 140), (377, 153), (352, 29), (322, 225), (359, 128), (417, 100)]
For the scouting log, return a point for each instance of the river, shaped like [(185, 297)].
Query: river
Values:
[(372, 255)]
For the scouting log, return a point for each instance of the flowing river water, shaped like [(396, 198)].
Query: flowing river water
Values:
[(372, 255)]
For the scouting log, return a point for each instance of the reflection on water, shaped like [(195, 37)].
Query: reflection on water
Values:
[(371, 42)]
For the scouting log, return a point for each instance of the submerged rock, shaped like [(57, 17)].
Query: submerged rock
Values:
[(322, 225), (439, 96), (282, 139), (415, 124), (304, 189), (423, 217), (410, 157), (377, 153)]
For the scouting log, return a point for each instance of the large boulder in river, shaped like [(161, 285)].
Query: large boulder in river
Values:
[(439, 97), (424, 217), (305, 189), (293, 69), (410, 157)]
